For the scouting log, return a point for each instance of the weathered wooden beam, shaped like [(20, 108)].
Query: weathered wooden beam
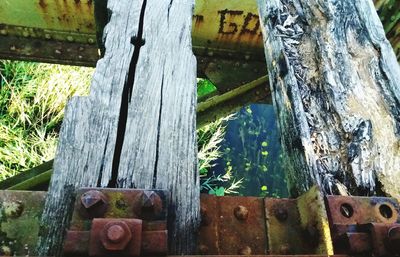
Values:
[(335, 83), (137, 127)]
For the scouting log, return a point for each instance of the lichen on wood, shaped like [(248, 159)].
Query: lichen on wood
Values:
[(335, 83)]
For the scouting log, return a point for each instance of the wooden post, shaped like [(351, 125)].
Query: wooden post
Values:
[(335, 82), (137, 127)]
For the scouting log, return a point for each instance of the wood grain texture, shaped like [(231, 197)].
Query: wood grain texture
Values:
[(137, 127), (335, 84)]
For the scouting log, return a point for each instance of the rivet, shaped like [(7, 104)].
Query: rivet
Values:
[(245, 251), (284, 249), (151, 204), (241, 212), (205, 219), (94, 203), (281, 214), (148, 199), (203, 249)]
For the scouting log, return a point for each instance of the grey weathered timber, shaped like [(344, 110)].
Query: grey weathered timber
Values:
[(335, 83), (137, 128)]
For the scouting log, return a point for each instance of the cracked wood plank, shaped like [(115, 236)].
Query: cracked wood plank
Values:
[(335, 84), (137, 128)]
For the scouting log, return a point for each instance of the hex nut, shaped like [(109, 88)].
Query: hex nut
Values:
[(116, 236)]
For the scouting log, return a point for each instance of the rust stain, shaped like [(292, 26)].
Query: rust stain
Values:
[(198, 20)]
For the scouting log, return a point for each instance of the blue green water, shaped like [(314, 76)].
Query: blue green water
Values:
[(251, 150)]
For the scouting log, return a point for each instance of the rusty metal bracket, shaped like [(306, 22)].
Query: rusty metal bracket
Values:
[(298, 226), (365, 225), (115, 222), (118, 222), (258, 226), (232, 225)]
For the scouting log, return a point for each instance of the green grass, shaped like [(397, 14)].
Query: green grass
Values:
[(32, 101)]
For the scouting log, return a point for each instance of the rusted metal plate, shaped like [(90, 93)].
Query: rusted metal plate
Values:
[(19, 221), (76, 243), (364, 225), (111, 236), (361, 210), (384, 238), (298, 225), (123, 222), (314, 220), (226, 36), (229, 27), (232, 225), (120, 203), (28, 49)]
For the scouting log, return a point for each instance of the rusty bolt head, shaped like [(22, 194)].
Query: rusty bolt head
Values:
[(281, 214), (116, 233), (241, 212), (203, 249), (245, 251), (393, 239), (116, 236), (284, 249), (94, 202), (151, 204), (148, 199)]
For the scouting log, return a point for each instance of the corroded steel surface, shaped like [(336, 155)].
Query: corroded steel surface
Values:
[(220, 28), (361, 210), (224, 29), (119, 203), (232, 225), (19, 221), (364, 225), (298, 225), (122, 236), (118, 221)]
